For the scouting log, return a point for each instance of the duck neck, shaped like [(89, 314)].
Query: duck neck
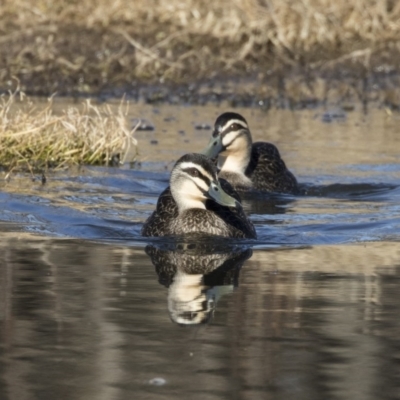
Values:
[(186, 202), (236, 162), (238, 154)]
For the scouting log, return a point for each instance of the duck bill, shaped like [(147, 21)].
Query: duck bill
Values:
[(218, 195), (214, 147)]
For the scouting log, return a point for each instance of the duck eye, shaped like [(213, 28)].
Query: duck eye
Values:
[(194, 172)]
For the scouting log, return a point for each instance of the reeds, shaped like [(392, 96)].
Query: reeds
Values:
[(89, 44), (36, 138)]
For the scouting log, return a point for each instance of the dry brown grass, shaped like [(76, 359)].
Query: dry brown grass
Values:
[(89, 44), (33, 138)]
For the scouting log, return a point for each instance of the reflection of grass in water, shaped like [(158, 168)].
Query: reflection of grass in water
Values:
[(33, 139), (86, 44)]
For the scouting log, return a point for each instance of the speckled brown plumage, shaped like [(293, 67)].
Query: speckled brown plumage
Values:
[(268, 171), (160, 219), (215, 220)]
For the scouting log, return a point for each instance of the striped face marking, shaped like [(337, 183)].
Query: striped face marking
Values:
[(232, 125), (194, 180), (230, 131), (200, 176)]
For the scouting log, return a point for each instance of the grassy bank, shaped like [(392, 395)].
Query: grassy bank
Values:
[(35, 138), (88, 46)]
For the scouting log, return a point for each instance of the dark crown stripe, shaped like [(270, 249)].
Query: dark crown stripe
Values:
[(201, 176)]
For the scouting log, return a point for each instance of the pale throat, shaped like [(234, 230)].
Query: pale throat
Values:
[(236, 162), (186, 201)]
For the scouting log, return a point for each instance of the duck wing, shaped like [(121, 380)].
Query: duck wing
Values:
[(268, 171), (159, 221)]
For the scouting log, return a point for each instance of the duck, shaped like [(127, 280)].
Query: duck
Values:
[(197, 202), (248, 165)]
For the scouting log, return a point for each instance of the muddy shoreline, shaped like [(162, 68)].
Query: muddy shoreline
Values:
[(286, 89)]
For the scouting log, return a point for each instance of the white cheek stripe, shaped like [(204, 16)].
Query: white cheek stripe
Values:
[(201, 183), (189, 164), (191, 190), (235, 121), (189, 196), (230, 137)]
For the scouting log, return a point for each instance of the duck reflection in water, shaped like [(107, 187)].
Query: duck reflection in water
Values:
[(197, 276)]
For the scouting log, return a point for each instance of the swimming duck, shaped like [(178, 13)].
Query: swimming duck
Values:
[(248, 165), (196, 202)]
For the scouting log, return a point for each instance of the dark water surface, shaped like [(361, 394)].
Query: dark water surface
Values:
[(83, 320), (311, 310)]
